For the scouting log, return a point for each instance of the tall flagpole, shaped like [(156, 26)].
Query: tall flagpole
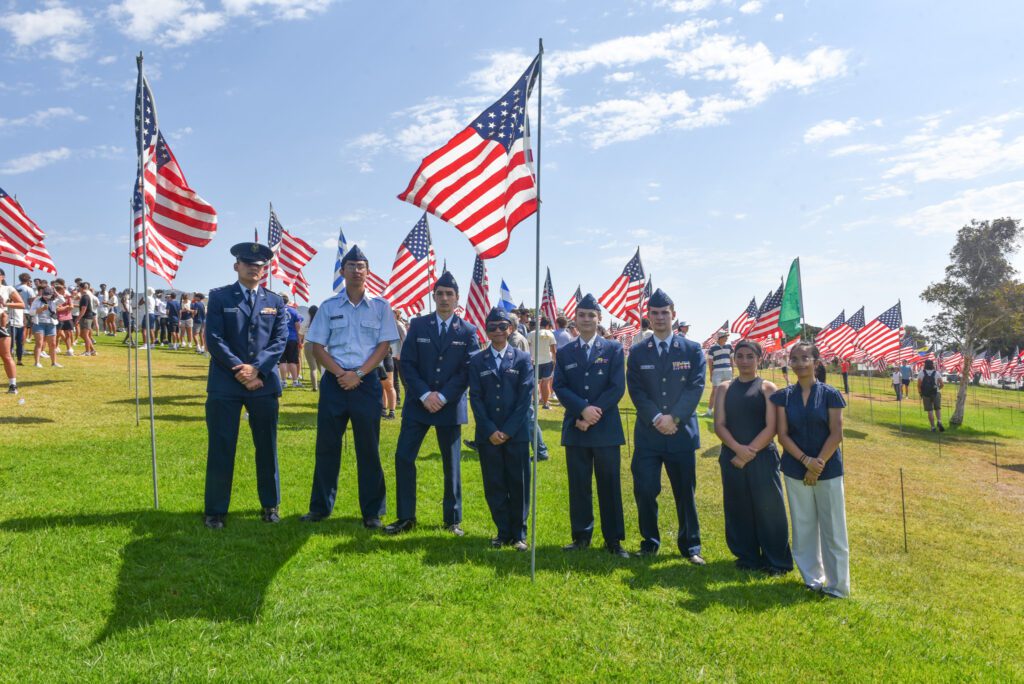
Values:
[(131, 242), (536, 333), (145, 285), (803, 314), (270, 272), (135, 340)]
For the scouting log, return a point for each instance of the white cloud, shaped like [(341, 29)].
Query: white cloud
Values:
[(56, 28), (831, 128), (41, 117), (180, 133), (687, 5), (980, 203), (779, 17), (859, 148), (281, 9), (106, 59), (627, 119), (967, 152), (36, 160), (752, 7), (620, 77), (886, 191)]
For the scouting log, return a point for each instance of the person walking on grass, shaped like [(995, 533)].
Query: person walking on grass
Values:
[(844, 368), (172, 309), (756, 529), (810, 427), (86, 318), (720, 361), (929, 388), (897, 383), (289, 367), (10, 304), (905, 374), (44, 324)]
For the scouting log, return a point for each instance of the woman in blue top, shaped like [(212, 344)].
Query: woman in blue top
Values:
[(810, 427)]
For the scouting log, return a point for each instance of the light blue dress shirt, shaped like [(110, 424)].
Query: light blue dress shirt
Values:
[(351, 333)]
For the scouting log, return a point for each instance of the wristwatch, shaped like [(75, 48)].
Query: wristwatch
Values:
[(360, 373)]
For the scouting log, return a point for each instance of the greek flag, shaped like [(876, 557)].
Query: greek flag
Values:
[(505, 301), (339, 279)]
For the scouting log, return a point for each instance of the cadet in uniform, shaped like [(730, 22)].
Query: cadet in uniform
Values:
[(245, 337), (434, 359), (589, 382), (665, 376), (501, 393), (350, 336)]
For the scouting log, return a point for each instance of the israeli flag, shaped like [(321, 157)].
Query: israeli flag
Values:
[(339, 279), (506, 298)]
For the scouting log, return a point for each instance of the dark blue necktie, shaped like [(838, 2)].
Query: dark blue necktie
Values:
[(664, 347)]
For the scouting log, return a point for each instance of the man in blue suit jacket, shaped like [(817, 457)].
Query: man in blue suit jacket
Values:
[(435, 357), (501, 392), (665, 375), (245, 335), (589, 382)]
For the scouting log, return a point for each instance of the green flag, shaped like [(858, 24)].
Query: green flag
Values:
[(792, 302)]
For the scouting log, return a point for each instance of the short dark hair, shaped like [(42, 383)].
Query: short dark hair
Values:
[(929, 365), (545, 322), (645, 324), (749, 344), (805, 345), (561, 321)]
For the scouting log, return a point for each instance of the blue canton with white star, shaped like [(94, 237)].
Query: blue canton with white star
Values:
[(505, 120)]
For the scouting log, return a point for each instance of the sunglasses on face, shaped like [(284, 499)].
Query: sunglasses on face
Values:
[(496, 327)]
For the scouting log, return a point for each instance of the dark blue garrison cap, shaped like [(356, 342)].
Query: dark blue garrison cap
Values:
[(252, 253), (354, 254), (659, 299), (497, 315), (447, 280), (588, 302)]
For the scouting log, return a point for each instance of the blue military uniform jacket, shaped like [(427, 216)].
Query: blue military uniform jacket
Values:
[(236, 334), (432, 364), (600, 382), (672, 385), (501, 396)]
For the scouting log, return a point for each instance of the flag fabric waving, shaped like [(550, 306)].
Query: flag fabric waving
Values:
[(548, 307), (162, 255), (412, 275), (481, 181), (745, 321), (882, 335), (714, 335), (291, 254), (476, 300), (622, 299), (570, 304), (821, 339), (505, 298), (39, 258), (841, 342), (16, 228), (791, 314), (767, 323), (11, 255), (645, 299)]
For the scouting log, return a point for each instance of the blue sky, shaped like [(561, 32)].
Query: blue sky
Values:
[(723, 138)]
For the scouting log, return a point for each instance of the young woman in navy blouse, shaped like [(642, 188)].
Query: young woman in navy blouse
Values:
[(810, 427)]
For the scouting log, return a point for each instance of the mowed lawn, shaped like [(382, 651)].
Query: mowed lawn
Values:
[(97, 585)]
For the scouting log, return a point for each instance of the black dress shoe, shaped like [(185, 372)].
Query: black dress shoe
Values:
[(214, 522), (312, 517), (470, 444), (647, 549), (497, 542), (577, 545), (696, 559), (520, 545), (270, 515), (455, 529), (399, 526), (617, 550), (372, 523)]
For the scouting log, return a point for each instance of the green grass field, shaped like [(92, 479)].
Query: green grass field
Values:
[(96, 585)]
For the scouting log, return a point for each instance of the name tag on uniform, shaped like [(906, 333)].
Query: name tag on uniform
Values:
[(647, 367), (268, 310), (570, 366), (334, 318), (230, 309), (513, 371), (458, 343), (680, 365), (425, 340), (486, 372)]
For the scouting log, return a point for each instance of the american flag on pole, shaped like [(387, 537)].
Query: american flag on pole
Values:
[(476, 300), (19, 231), (767, 323), (570, 304), (645, 299), (300, 287), (622, 299), (162, 255), (175, 209), (907, 351), (821, 339), (980, 365), (714, 335), (882, 335), (548, 307), (952, 362), (745, 321), (412, 276), (841, 342), (40, 259), (291, 254), (481, 181), (10, 255)]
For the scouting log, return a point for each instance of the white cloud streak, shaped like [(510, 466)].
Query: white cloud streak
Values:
[(34, 161)]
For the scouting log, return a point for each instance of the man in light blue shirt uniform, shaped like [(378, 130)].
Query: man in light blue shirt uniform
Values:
[(350, 334)]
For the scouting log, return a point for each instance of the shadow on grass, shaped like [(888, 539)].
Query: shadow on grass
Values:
[(1016, 467), (854, 434), (24, 420), (170, 376), (172, 400), (175, 568), (22, 384)]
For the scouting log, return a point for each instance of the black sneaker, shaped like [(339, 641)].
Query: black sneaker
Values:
[(12, 389), (941, 429)]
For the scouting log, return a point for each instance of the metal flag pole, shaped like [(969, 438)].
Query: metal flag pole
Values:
[(536, 333), (803, 315), (270, 271), (145, 285), (134, 337), (131, 242)]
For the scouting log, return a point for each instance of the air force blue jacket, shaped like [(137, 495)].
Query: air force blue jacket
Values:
[(432, 364), (236, 334), (670, 384), (599, 381)]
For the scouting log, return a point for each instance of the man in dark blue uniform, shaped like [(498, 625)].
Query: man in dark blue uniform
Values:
[(351, 334), (435, 358), (501, 393), (665, 375), (245, 335), (589, 382)]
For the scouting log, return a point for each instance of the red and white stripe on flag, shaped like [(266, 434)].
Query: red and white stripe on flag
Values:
[(478, 298), (40, 259), (300, 287), (622, 299), (292, 254), (412, 275), (548, 307), (570, 304), (375, 285), (11, 255), (162, 255), (19, 231), (175, 208), (883, 334)]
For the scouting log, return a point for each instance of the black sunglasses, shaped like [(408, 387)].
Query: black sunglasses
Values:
[(494, 327)]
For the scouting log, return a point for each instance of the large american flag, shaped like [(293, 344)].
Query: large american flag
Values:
[(176, 210), (745, 321), (952, 362), (548, 307), (291, 254), (375, 285), (10, 255), (481, 181), (39, 258), (622, 299), (767, 323), (714, 335), (476, 300), (906, 351), (570, 304), (17, 230), (883, 334), (821, 339), (980, 365), (412, 276), (162, 254), (841, 342)]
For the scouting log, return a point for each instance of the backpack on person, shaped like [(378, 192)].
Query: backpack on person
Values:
[(929, 386)]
